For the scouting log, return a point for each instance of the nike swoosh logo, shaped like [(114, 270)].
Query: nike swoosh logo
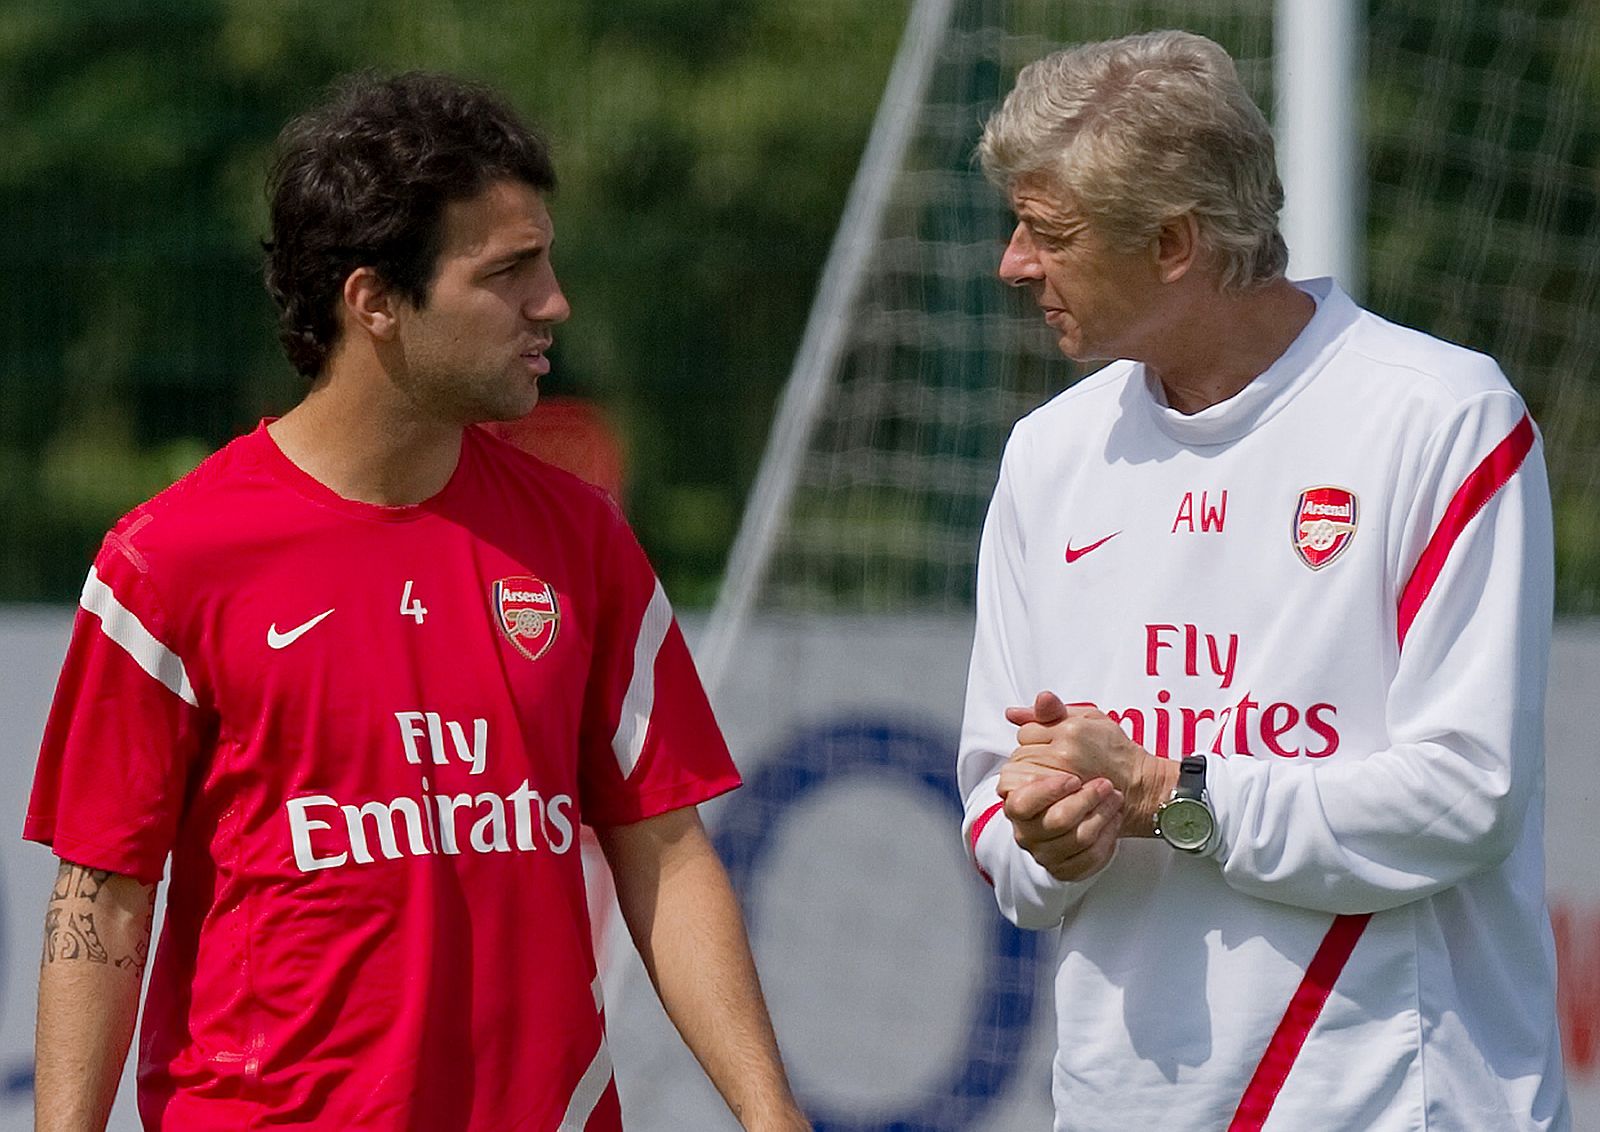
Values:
[(1074, 555), (277, 640)]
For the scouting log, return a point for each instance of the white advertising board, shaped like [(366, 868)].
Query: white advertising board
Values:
[(901, 999)]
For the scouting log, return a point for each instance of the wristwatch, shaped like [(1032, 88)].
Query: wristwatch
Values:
[(1185, 821)]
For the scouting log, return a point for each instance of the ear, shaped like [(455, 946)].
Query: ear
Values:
[(1177, 247), (370, 303)]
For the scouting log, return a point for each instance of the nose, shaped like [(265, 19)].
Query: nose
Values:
[(1019, 265), (548, 303)]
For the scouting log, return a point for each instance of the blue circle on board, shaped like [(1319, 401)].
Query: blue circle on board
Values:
[(1000, 1023)]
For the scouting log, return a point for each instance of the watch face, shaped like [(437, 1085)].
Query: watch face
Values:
[(1186, 823)]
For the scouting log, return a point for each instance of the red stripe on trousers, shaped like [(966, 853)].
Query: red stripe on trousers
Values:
[(977, 831), (1473, 495), (1309, 999)]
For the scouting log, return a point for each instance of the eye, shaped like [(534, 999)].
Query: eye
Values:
[(1041, 237), (514, 266), (1050, 238)]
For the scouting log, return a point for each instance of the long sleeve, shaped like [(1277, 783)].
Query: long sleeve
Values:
[(1026, 893), (1447, 798)]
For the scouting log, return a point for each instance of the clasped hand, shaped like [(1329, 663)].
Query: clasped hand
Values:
[(1066, 784)]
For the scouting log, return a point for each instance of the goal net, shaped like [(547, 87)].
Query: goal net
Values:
[(1483, 163), (836, 654)]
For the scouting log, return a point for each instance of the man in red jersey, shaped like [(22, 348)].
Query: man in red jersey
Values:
[(361, 675)]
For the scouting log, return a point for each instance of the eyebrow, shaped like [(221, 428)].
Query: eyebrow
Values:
[(517, 255), (1058, 227)]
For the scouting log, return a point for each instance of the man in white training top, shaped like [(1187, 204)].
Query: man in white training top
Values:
[(1256, 703)]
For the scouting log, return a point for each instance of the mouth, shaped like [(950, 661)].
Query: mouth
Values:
[(534, 357)]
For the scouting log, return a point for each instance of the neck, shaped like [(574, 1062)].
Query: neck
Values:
[(1225, 341), (366, 442)]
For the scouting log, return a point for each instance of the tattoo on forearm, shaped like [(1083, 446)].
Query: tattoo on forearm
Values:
[(63, 888), (72, 935), (141, 944), (69, 922)]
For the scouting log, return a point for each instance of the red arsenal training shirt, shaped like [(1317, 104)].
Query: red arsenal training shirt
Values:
[(366, 736)]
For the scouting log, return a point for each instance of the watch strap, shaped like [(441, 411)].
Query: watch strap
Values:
[(1191, 778)]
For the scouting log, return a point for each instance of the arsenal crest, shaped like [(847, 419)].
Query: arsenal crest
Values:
[(1324, 524), (527, 612)]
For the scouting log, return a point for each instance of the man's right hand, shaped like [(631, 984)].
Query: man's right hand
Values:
[(1069, 826)]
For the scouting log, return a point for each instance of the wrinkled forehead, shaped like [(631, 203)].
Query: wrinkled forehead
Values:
[(1041, 196)]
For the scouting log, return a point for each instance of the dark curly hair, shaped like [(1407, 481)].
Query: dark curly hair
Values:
[(363, 181)]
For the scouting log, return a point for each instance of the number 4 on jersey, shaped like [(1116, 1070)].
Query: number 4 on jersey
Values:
[(409, 606)]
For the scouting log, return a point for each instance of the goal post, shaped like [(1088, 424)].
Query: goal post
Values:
[(826, 334), (1316, 70)]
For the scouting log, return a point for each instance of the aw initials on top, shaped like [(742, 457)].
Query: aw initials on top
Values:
[(1211, 517)]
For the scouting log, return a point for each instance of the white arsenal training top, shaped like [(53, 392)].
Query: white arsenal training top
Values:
[(1337, 586)]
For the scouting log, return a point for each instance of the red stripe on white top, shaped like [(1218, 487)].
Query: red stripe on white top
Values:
[(1492, 474), (977, 831), (1304, 1008), (1472, 496)]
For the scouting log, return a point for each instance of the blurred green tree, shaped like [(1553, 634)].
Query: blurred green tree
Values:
[(1483, 185), (704, 146)]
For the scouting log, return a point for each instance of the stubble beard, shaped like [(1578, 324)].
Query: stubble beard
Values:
[(448, 394)]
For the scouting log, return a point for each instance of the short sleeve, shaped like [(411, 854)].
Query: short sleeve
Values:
[(123, 730), (650, 741)]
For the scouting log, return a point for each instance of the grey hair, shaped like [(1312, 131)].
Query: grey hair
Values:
[(1141, 130)]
